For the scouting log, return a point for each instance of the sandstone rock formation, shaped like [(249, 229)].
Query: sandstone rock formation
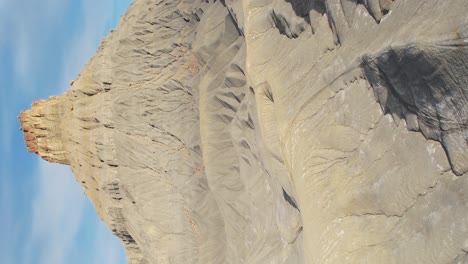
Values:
[(273, 131)]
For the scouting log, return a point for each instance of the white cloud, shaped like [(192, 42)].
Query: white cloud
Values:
[(6, 126), (28, 33), (58, 208), (24, 23), (8, 226), (108, 248), (22, 52), (96, 16)]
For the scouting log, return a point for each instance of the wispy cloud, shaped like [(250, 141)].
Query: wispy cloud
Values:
[(26, 34), (97, 17), (6, 133), (108, 249), (8, 226), (58, 209)]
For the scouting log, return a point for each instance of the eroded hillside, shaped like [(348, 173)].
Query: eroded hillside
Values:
[(283, 131)]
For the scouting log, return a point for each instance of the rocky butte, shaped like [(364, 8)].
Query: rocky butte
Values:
[(273, 131)]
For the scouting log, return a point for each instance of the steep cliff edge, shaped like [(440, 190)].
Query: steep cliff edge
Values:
[(284, 131)]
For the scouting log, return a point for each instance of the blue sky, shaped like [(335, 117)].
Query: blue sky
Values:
[(44, 216)]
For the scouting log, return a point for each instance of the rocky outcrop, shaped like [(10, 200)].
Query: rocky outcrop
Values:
[(318, 131), (42, 133)]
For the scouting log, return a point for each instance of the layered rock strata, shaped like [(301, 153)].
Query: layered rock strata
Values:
[(285, 131)]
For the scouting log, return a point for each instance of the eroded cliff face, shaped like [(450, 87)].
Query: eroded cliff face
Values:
[(284, 131)]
